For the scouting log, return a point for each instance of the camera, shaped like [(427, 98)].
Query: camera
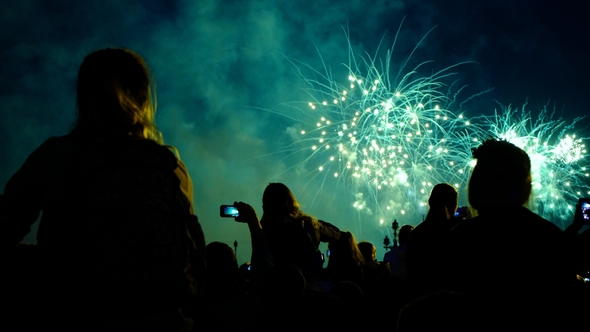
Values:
[(461, 212), (228, 211), (584, 205)]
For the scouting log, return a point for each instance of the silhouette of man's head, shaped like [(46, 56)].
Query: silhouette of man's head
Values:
[(444, 195), (502, 175), (404, 233)]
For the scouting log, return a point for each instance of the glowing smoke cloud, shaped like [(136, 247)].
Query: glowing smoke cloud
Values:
[(387, 135), (557, 158)]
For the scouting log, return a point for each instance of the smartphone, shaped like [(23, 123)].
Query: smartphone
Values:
[(584, 205), (228, 211), (461, 212)]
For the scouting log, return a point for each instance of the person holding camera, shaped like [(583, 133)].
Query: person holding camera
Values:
[(290, 235)]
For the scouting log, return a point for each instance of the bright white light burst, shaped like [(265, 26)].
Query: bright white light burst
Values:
[(389, 136)]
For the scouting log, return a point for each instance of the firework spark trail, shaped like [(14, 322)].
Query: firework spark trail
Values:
[(557, 155), (388, 138), (387, 135)]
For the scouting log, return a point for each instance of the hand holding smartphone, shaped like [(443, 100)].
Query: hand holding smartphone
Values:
[(241, 212), (584, 206), (461, 212), (228, 211)]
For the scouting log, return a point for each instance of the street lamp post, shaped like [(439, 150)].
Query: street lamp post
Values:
[(386, 243)]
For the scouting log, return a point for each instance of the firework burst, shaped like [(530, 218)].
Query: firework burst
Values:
[(387, 135)]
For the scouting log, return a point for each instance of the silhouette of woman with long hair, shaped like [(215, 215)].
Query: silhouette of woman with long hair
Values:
[(293, 237), (117, 235)]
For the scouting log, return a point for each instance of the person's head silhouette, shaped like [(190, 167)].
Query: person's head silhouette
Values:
[(501, 177), (278, 200), (114, 95), (443, 200)]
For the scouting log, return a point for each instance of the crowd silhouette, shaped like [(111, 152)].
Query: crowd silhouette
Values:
[(120, 248)]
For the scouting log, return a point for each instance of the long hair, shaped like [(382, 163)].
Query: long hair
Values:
[(278, 200), (345, 252), (368, 250), (293, 236), (502, 175), (114, 96), (279, 203)]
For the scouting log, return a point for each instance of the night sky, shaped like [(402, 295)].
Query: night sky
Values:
[(228, 96)]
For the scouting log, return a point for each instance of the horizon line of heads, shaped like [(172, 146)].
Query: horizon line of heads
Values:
[(501, 177)]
